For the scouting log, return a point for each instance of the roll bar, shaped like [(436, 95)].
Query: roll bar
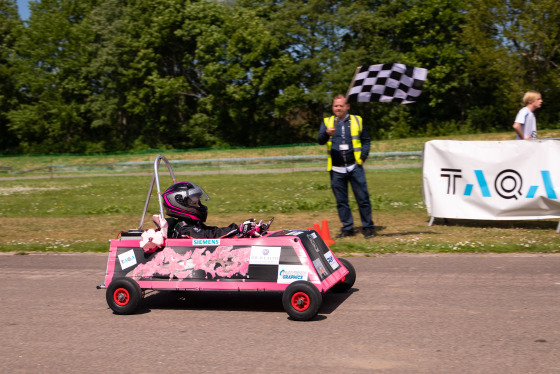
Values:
[(155, 178)]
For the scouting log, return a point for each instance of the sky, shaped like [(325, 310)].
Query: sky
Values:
[(23, 9)]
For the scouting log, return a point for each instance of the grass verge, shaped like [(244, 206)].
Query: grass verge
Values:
[(83, 213)]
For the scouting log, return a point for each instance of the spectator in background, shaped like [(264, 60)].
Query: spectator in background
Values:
[(348, 145), (525, 124)]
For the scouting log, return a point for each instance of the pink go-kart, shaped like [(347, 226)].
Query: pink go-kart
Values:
[(297, 263)]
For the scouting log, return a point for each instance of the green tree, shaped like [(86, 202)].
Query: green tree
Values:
[(308, 35), (158, 64), (50, 56), (514, 47), (95, 76), (416, 33), (168, 36), (109, 55), (10, 28), (246, 73)]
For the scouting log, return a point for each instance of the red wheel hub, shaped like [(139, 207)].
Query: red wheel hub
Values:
[(121, 296), (300, 301)]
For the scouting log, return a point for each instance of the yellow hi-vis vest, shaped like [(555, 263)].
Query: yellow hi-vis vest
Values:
[(355, 131)]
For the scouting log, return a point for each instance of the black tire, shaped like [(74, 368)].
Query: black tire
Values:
[(124, 295), (347, 282), (301, 300)]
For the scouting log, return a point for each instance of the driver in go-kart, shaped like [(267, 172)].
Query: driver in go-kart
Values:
[(182, 201)]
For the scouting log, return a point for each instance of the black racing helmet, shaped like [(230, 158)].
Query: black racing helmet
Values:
[(183, 200)]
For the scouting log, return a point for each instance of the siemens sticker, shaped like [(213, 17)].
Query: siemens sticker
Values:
[(291, 273), (206, 241)]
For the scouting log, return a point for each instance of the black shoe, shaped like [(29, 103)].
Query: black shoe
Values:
[(345, 233), (369, 233)]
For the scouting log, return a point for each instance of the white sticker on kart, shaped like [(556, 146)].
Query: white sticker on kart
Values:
[(127, 259), (292, 273), (330, 259), (261, 255), (318, 264)]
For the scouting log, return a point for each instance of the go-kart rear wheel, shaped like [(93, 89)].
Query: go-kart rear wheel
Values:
[(347, 282), (123, 295), (301, 300)]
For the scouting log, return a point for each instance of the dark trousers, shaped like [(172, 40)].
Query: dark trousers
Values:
[(339, 185)]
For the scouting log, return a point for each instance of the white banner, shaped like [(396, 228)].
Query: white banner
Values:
[(492, 180)]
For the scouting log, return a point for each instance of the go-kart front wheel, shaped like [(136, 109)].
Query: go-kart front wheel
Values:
[(124, 295), (347, 282), (301, 300)]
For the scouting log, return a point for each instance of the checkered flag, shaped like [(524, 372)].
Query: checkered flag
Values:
[(387, 83)]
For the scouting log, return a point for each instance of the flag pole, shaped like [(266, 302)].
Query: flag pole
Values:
[(352, 83)]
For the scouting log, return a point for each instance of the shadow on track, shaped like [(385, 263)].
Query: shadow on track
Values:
[(246, 301)]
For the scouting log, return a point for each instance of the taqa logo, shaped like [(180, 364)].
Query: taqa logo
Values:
[(508, 184)]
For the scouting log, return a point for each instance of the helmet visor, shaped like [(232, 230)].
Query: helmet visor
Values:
[(193, 200), (197, 194)]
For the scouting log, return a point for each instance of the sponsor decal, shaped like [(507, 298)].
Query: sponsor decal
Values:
[(320, 268), (206, 241), (265, 255), (330, 259), (291, 273), (127, 259), (312, 238)]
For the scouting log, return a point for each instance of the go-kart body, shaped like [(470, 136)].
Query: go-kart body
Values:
[(296, 262), (268, 263)]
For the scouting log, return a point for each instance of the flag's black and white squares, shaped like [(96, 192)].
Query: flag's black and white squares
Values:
[(387, 83)]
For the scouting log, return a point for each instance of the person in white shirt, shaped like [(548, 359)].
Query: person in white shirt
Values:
[(525, 124)]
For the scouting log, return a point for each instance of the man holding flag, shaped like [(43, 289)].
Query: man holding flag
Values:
[(348, 144)]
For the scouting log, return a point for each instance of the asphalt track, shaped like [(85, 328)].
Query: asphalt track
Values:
[(405, 314)]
